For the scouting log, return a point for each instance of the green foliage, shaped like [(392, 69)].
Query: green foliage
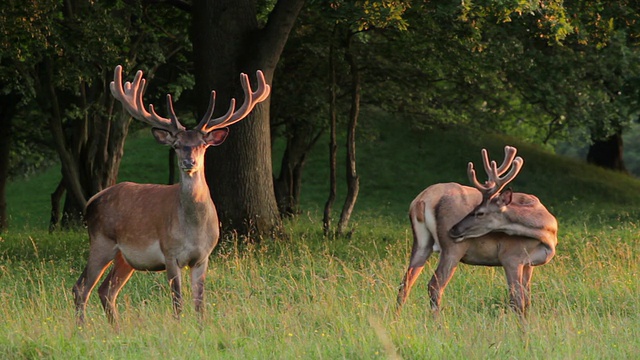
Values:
[(368, 14)]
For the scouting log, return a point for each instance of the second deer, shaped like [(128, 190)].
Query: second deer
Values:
[(480, 225)]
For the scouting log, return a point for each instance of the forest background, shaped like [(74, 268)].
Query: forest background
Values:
[(560, 74)]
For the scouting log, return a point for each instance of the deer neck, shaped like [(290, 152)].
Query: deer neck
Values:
[(530, 222), (194, 194)]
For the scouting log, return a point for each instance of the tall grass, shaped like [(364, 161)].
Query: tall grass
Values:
[(306, 296)]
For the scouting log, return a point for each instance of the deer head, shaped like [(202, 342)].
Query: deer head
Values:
[(489, 215)]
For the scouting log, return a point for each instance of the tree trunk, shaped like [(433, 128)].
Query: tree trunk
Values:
[(8, 105), (49, 102), (56, 197), (608, 153), (287, 185), (91, 153), (333, 144), (172, 167), (353, 180), (227, 40)]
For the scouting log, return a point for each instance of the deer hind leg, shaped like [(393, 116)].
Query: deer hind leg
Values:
[(421, 250), (101, 255), (443, 274), (517, 291), (112, 284)]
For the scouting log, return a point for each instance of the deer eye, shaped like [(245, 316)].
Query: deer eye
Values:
[(480, 214)]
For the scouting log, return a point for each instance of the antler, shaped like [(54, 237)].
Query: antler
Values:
[(495, 183), (251, 98), (131, 99)]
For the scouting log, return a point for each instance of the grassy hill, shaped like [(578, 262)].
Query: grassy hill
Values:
[(311, 297)]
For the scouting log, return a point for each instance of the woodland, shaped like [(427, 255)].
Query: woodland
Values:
[(564, 75)]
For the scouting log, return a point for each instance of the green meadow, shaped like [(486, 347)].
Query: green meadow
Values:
[(304, 296)]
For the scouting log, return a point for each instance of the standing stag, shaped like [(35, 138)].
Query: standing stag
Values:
[(480, 225), (152, 227)]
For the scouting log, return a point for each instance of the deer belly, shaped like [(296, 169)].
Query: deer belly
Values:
[(483, 253), (147, 258)]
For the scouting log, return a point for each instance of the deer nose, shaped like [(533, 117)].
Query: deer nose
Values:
[(455, 234), (188, 164)]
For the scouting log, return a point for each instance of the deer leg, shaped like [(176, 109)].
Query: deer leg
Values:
[(100, 257), (527, 273), (112, 284), (198, 274), (175, 282), (443, 274), (514, 274), (420, 252)]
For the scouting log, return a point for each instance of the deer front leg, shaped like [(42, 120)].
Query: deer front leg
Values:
[(175, 282), (443, 274), (100, 257), (517, 290), (198, 274)]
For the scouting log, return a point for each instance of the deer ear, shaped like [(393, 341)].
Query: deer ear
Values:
[(505, 198), (216, 137), (162, 136)]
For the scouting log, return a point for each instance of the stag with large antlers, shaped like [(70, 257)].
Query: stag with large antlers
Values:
[(480, 225), (152, 227)]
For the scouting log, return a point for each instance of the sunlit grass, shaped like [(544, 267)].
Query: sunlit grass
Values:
[(309, 297)]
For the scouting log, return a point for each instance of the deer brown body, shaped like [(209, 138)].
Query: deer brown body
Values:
[(153, 227), (480, 226)]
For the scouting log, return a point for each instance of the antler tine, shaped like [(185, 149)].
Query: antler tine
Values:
[(205, 124), (131, 98), (251, 98), (207, 116), (174, 119), (509, 155), (471, 173), (495, 183), (503, 181)]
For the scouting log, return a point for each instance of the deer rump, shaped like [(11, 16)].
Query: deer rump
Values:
[(519, 236)]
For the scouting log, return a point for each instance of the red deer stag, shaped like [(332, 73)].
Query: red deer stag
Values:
[(152, 227), (480, 226)]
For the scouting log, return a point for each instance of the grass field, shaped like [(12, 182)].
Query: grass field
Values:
[(308, 297)]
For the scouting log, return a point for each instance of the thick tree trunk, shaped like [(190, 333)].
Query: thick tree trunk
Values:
[(227, 40), (8, 105), (608, 153), (353, 180)]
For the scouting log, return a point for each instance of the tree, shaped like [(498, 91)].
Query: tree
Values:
[(88, 130), (230, 37), (22, 45)]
